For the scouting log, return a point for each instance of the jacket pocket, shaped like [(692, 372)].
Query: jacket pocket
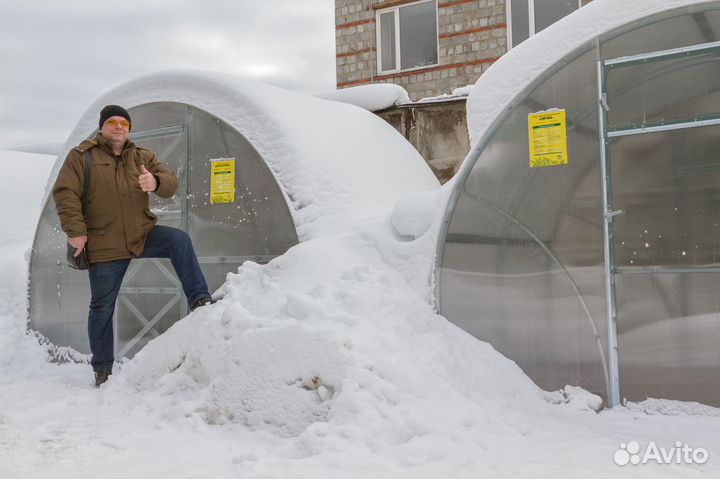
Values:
[(99, 224)]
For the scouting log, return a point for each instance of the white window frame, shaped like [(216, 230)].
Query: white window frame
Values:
[(531, 19), (398, 62)]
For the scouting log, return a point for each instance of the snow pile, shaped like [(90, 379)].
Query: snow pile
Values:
[(370, 97), (463, 90), (337, 164), (415, 214), (576, 398), (329, 337), (513, 72), (20, 187)]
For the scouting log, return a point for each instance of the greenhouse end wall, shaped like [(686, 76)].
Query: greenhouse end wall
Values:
[(522, 261), (256, 226)]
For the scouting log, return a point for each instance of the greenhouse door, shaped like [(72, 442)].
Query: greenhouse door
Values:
[(660, 121), (151, 297)]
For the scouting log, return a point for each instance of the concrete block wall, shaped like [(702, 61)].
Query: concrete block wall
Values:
[(354, 41), (472, 35), (437, 130)]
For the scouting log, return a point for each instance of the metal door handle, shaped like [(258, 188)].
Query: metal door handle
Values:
[(611, 214)]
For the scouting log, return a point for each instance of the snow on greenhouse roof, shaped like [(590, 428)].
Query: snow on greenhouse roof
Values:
[(514, 71), (336, 163)]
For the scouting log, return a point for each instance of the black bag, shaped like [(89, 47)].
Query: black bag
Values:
[(80, 261), (77, 262)]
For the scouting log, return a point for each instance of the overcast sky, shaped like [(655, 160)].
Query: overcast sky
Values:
[(57, 57)]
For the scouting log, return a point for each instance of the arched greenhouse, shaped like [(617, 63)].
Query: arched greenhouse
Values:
[(302, 167), (582, 239)]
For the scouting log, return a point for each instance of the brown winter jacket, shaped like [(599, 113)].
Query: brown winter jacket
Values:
[(118, 216)]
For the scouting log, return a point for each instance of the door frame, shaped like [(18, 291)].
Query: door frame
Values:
[(175, 292), (606, 135)]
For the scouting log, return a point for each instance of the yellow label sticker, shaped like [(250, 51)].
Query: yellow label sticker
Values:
[(548, 139), (222, 180)]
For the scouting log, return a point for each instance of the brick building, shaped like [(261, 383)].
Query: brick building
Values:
[(431, 47)]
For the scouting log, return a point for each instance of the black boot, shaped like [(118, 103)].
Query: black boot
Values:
[(101, 377), (201, 302)]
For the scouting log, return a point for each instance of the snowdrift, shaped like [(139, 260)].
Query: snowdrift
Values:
[(328, 337)]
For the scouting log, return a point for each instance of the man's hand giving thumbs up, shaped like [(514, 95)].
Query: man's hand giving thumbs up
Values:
[(146, 180)]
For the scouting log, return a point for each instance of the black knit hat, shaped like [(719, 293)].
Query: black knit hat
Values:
[(113, 110)]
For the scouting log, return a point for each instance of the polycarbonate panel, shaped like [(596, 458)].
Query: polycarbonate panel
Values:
[(258, 222), (418, 35), (257, 225), (526, 306), (689, 25), (168, 148), (648, 92), (500, 285), (668, 336), (132, 332), (216, 273), (155, 115), (151, 273), (559, 204), (59, 295), (496, 280), (138, 298), (496, 284), (668, 185), (501, 173)]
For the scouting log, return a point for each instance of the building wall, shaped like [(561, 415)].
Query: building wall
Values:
[(437, 130), (472, 35)]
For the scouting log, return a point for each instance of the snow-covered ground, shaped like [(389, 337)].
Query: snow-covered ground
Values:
[(327, 361)]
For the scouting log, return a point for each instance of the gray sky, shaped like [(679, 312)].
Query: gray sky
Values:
[(57, 57)]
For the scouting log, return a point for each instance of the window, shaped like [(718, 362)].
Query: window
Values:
[(407, 37), (528, 17)]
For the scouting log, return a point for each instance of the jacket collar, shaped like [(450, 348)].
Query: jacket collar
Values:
[(99, 141)]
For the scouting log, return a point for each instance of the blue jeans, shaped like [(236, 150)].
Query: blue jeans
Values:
[(106, 278)]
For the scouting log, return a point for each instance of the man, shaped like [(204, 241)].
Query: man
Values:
[(119, 224)]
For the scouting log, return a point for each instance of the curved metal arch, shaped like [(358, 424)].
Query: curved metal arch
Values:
[(556, 260)]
